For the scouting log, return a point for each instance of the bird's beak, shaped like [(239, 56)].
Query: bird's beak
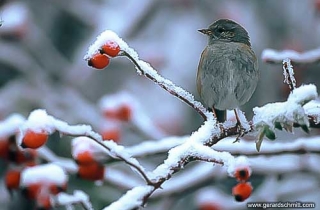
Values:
[(205, 31)]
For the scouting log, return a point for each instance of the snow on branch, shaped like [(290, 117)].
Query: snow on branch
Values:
[(288, 74), (40, 120), (274, 56), (143, 68), (40, 173), (197, 146), (288, 112), (78, 197), (284, 114), (312, 109), (10, 125), (191, 150)]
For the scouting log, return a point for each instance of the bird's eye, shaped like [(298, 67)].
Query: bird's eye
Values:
[(220, 30)]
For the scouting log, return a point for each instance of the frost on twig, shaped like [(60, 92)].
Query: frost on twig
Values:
[(284, 114), (312, 109), (10, 125), (78, 197), (288, 74), (145, 69), (197, 145), (191, 150), (39, 119), (274, 56)]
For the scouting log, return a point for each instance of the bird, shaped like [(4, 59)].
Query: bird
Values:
[(228, 71)]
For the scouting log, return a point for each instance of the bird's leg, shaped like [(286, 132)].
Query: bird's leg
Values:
[(239, 126), (216, 116), (214, 113)]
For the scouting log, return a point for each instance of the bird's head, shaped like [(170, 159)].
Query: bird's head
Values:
[(226, 30)]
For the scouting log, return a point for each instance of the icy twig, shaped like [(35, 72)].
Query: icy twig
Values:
[(288, 74), (78, 197), (286, 113), (144, 68), (167, 85), (197, 146), (51, 124), (274, 56), (192, 149)]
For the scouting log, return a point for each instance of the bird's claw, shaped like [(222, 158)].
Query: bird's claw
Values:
[(241, 131)]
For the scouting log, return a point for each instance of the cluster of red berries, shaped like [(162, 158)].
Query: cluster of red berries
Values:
[(11, 153), (33, 192), (243, 189), (89, 166), (20, 160), (121, 113), (101, 60)]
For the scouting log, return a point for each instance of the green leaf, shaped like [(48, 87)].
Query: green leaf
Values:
[(305, 128), (258, 144), (270, 134), (260, 139), (288, 128), (278, 126)]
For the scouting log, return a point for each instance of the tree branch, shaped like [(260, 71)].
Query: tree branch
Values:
[(170, 88), (307, 57)]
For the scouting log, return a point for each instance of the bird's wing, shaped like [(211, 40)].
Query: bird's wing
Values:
[(247, 75)]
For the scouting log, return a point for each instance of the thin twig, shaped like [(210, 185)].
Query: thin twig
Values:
[(172, 92), (276, 57), (133, 165), (288, 74)]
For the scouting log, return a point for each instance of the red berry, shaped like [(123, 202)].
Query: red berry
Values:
[(209, 206), (93, 171), (12, 179), (34, 139), (43, 202), (32, 191), (4, 148), (122, 113), (55, 189), (242, 191), (27, 157), (84, 157), (242, 173), (110, 48), (99, 61), (111, 134)]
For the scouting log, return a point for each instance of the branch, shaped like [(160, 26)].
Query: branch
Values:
[(274, 56), (288, 74), (196, 147), (145, 69), (168, 85), (50, 125), (243, 147), (193, 149), (78, 197)]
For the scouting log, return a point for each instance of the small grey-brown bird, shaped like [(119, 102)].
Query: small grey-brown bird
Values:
[(228, 70)]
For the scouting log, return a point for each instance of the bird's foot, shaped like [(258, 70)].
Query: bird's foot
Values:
[(241, 131)]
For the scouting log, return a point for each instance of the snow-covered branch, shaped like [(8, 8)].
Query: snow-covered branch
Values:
[(144, 68), (197, 146), (78, 197), (274, 56), (191, 150), (40, 120)]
